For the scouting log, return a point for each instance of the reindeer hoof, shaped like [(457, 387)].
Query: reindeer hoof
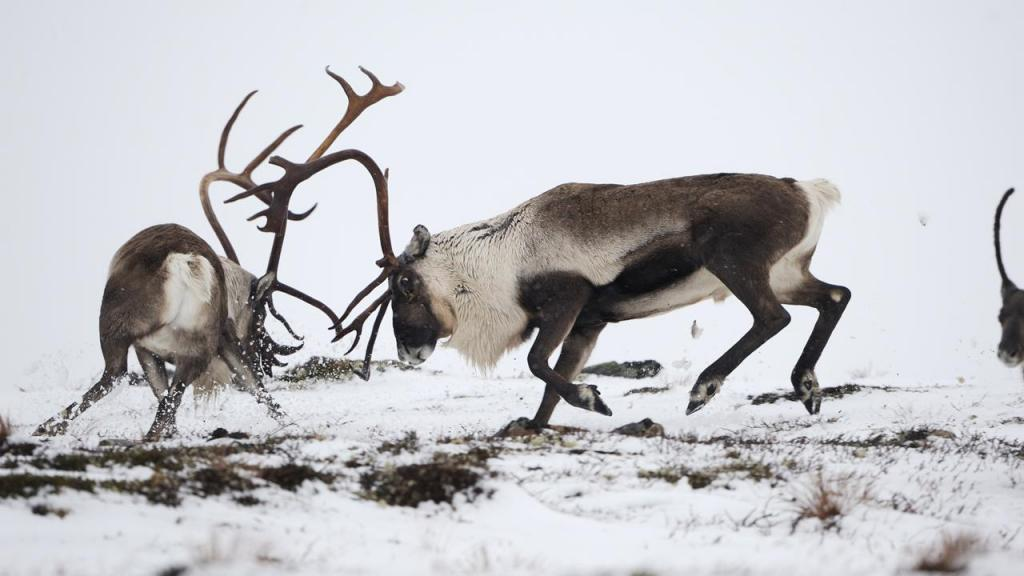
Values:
[(702, 393), (809, 391), (52, 427), (694, 406), (158, 433), (588, 397)]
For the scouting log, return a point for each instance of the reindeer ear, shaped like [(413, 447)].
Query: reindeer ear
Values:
[(418, 245), (263, 286)]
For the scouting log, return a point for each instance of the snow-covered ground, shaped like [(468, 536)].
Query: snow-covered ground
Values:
[(909, 461)]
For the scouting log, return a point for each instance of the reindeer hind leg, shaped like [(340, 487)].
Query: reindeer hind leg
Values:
[(753, 289), (154, 369), (115, 358), (830, 301), (165, 423)]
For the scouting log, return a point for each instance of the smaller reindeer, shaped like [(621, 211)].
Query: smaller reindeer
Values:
[(172, 299), (1011, 315)]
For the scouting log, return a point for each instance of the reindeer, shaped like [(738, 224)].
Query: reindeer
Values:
[(1011, 315), (567, 263), (172, 299)]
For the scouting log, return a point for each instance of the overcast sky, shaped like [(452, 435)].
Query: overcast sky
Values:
[(111, 113)]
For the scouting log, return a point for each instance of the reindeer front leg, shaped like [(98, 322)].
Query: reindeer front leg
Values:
[(575, 351), (553, 304)]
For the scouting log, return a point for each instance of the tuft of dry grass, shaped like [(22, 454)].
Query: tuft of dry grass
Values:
[(5, 430), (949, 555), (829, 499)]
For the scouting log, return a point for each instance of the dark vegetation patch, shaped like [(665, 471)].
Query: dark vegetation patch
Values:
[(826, 392), (410, 442), (204, 470), (633, 369), (438, 481), (219, 478), (290, 476), (29, 485), (701, 478), (324, 368)]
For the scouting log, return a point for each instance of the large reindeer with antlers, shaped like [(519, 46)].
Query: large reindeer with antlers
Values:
[(580, 256), (1011, 314), (172, 299)]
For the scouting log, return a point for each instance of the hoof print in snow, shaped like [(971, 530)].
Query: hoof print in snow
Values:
[(633, 370), (645, 428)]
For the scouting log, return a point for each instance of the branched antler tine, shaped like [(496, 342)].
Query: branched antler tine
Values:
[(263, 155), (296, 217), (254, 191), (365, 373), (357, 322), (356, 105), (284, 322), (349, 92), (260, 214), (227, 129), (363, 294)]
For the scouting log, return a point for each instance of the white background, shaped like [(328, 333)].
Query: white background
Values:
[(111, 113)]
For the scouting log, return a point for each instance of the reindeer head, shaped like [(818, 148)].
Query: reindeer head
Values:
[(1011, 315), (419, 317)]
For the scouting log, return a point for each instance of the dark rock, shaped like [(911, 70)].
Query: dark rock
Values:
[(645, 428), (633, 369)]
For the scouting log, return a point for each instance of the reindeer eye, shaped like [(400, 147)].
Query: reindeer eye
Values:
[(405, 286)]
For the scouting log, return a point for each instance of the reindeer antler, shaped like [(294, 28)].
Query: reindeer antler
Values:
[(241, 179), (280, 192)]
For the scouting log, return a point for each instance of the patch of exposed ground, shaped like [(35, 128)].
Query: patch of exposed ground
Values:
[(826, 392), (337, 369)]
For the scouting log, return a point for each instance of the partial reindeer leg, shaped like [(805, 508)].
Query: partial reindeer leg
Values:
[(575, 351), (554, 304), (830, 301), (232, 354), (154, 369), (185, 371), (115, 358), (752, 288)]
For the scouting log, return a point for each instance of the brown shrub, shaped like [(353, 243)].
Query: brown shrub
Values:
[(828, 500), (949, 555)]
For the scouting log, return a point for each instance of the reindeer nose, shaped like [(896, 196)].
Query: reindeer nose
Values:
[(1009, 358)]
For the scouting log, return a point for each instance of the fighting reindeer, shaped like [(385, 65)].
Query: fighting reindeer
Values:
[(172, 299), (580, 256), (1011, 315)]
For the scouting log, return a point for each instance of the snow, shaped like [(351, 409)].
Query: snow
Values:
[(571, 503)]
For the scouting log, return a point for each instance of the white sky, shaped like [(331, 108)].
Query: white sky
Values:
[(112, 112)]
